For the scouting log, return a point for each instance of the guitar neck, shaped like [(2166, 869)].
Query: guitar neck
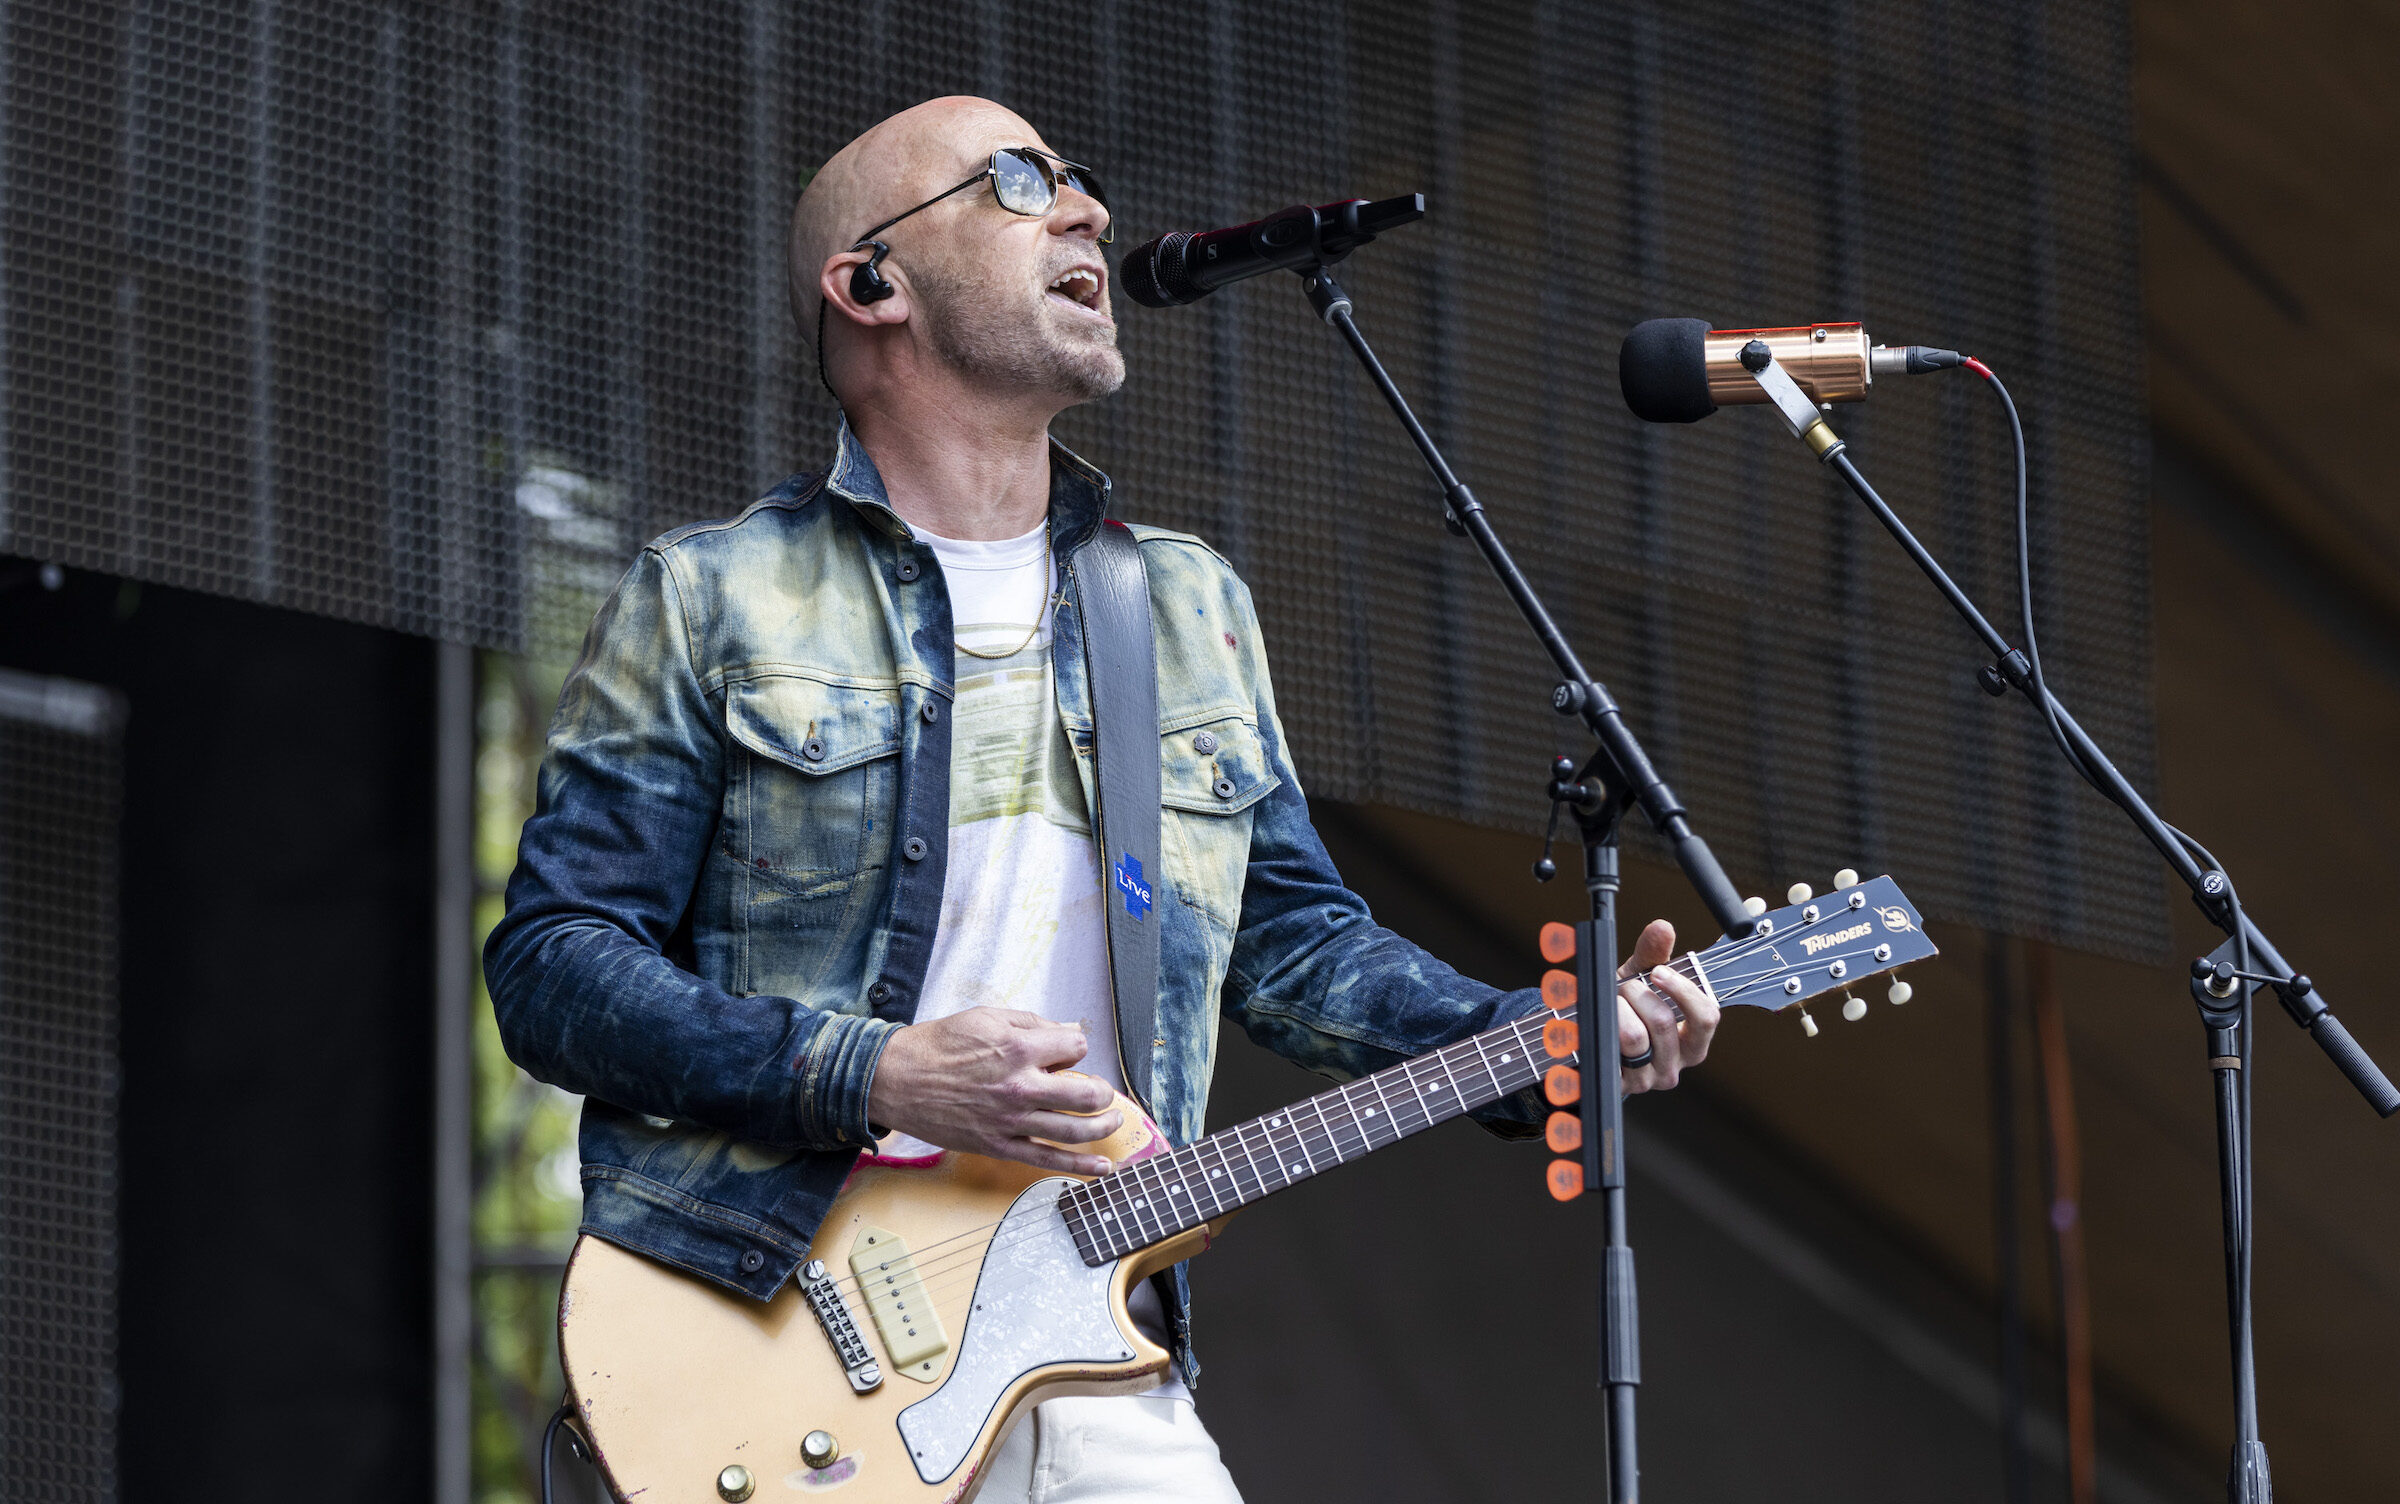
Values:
[(1791, 955), (1152, 1200)]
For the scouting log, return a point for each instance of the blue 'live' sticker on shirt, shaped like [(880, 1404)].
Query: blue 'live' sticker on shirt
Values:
[(1130, 884)]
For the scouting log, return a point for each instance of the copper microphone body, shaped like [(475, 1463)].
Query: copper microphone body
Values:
[(1830, 362)]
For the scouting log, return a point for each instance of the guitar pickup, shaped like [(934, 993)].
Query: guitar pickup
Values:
[(833, 1314), (904, 1318)]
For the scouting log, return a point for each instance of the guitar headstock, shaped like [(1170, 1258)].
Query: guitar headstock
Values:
[(1815, 945)]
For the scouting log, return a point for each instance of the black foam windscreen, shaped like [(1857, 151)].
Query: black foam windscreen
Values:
[(1663, 367)]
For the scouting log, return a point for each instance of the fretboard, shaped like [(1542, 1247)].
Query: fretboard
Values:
[(1151, 1200)]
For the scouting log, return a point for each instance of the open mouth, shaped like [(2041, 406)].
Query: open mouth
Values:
[(1080, 286)]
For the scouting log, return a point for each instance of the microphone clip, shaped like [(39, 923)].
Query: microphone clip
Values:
[(1799, 414)]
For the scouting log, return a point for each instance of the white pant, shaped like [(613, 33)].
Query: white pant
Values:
[(1128, 1449)]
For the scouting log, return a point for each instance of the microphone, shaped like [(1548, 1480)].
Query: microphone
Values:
[(1184, 267), (1681, 370)]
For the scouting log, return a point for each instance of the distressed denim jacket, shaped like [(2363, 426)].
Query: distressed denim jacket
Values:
[(726, 898)]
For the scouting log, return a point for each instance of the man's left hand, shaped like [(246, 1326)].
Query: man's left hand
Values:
[(1646, 1020)]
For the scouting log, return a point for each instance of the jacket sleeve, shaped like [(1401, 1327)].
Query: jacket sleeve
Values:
[(1313, 976), (626, 811)]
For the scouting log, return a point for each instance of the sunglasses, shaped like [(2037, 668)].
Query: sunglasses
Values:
[(1026, 181)]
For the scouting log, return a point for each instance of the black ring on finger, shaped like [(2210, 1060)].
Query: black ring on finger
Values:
[(1636, 1062)]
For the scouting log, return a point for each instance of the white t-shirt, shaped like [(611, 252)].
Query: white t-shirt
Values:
[(1024, 923)]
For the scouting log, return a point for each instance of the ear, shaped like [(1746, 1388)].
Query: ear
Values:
[(833, 285)]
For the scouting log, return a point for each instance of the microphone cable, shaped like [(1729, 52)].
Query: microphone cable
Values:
[(2041, 688)]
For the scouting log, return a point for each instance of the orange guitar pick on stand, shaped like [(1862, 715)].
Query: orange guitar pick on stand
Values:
[(1561, 1084)]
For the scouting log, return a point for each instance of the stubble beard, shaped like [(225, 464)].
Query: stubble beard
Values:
[(981, 329)]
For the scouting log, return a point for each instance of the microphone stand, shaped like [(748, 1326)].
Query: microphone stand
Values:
[(1616, 778), (2224, 984)]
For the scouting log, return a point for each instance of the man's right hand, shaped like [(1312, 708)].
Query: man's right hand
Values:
[(990, 1081)]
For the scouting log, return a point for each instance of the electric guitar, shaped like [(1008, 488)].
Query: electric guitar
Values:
[(938, 1301)]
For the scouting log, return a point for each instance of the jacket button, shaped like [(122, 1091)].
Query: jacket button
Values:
[(931, 712), (881, 992), (1205, 743), (907, 570), (914, 848), (753, 1261), (813, 750), (1225, 788)]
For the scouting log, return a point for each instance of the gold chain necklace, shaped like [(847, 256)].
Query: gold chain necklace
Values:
[(1039, 611)]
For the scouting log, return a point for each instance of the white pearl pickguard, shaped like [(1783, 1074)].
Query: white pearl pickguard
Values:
[(1036, 1304)]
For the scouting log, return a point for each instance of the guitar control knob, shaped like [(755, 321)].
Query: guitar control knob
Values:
[(1799, 893), (819, 1449), (734, 1484), (1901, 992), (1846, 878)]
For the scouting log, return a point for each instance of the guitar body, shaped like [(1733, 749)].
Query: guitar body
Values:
[(675, 1380)]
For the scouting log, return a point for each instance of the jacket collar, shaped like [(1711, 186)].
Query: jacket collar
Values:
[(1079, 493)]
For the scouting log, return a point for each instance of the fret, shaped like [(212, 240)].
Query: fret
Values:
[(1483, 1057)]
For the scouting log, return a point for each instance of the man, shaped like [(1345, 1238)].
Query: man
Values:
[(813, 865)]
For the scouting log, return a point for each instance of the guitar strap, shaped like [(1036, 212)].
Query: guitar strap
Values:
[(1120, 661)]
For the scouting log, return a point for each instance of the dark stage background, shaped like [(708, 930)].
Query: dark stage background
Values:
[(426, 315)]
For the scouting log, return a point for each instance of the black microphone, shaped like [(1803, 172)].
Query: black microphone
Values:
[(1681, 370), (1184, 267)]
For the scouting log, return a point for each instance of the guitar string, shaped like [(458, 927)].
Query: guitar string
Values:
[(939, 1259), (1149, 1180)]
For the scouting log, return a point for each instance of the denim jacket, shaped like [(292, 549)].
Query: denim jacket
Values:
[(725, 900)]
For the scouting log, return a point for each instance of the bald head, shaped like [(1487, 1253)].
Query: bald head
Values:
[(894, 165), (982, 303)]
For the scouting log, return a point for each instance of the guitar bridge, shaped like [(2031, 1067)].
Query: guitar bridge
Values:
[(833, 1314)]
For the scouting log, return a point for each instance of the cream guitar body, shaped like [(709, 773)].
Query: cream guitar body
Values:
[(687, 1394), (941, 1299)]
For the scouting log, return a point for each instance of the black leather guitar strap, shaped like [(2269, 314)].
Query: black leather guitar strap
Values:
[(1120, 660)]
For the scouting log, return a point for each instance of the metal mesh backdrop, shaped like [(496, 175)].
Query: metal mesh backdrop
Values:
[(428, 314), (59, 794)]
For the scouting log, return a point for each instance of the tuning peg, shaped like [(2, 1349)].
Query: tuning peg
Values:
[(1853, 1009), (1900, 993), (1846, 878), (1799, 893), (1808, 1026), (1754, 906)]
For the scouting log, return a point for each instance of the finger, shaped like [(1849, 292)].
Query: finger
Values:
[(1658, 1015), (1064, 1091), (1053, 1046), (1633, 1037), (1700, 1015), (1048, 1157), (1066, 1128), (1650, 948)]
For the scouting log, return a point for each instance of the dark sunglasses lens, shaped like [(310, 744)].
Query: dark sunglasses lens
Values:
[(1022, 183)]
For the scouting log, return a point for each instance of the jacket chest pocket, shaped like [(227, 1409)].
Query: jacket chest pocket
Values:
[(811, 808), (1211, 773)]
